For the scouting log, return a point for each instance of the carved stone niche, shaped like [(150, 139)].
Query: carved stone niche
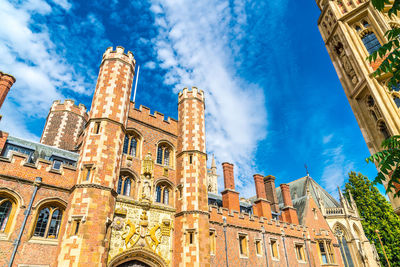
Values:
[(339, 49)]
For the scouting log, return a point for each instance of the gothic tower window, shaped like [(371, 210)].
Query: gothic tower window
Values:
[(371, 43), (164, 154), (7, 210), (340, 234), (131, 144), (126, 185), (163, 193), (383, 129), (48, 222)]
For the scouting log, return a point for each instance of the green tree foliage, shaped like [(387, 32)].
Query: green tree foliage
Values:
[(391, 64), (377, 213), (388, 161)]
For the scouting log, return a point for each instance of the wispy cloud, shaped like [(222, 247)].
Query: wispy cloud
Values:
[(336, 169), (30, 53), (198, 45)]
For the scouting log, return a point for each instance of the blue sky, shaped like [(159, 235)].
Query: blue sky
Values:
[(274, 102)]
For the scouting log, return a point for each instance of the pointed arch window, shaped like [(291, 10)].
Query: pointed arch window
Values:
[(163, 193), (344, 248), (5, 212), (131, 144), (164, 153), (383, 129), (126, 185), (371, 43), (48, 222)]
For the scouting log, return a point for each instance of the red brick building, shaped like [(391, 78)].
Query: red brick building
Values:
[(121, 186)]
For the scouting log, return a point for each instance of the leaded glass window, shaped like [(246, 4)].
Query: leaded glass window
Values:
[(119, 188), (5, 210), (48, 222), (127, 187), (371, 43)]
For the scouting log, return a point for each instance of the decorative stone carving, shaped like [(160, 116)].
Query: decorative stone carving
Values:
[(148, 165), (339, 49), (145, 228)]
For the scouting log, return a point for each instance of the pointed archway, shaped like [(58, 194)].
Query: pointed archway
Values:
[(137, 257)]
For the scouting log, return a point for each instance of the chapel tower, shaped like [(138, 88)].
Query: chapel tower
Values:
[(90, 210), (192, 245), (352, 30)]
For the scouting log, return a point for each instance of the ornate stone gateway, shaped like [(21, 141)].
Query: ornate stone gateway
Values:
[(134, 263), (141, 229)]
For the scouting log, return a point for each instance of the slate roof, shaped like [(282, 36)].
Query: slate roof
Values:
[(298, 192), (45, 151)]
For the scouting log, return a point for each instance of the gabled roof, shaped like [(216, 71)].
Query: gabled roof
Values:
[(298, 192)]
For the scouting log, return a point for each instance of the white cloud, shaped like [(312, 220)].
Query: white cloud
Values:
[(30, 55), (150, 65), (63, 3), (327, 138), (336, 170), (195, 48)]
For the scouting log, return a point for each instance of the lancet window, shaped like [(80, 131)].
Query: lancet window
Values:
[(131, 144), (164, 154), (48, 222), (125, 186), (7, 209), (163, 193)]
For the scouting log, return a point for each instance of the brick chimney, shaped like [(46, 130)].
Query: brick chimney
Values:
[(262, 206), (270, 191), (230, 198), (6, 81), (289, 214)]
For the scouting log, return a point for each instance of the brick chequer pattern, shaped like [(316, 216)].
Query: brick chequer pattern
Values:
[(192, 213), (93, 200)]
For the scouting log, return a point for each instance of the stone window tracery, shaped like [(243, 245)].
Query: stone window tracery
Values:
[(343, 245), (163, 193), (125, 185), (48, 222), (131, 144), (164, 154), (7, 210)]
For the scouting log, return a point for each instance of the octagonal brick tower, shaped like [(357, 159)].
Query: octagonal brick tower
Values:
[(85, 240), (191, 241)]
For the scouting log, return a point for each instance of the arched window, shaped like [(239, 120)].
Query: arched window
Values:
[(371, 43), (7, 210), (164, 153), (163, 193), (131, 144), (48, 222), (383, 129), (125, 185), (344, 248)]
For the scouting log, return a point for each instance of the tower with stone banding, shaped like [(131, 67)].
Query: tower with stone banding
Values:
[(192, 245), (90, 210), (64, 124)]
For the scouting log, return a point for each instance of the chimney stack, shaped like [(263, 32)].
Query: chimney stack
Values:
[(289, 214), (230, 198), (6, 81), (269, 184), (262, 207)]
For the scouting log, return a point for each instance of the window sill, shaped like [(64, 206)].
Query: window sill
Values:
[(244, 256), (275, 259), (164, 166), (43, 241), (4, 236)]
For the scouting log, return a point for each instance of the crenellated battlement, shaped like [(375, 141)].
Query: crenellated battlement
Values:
[(143, 114), (251, 222), (17, 165), (119, 53), (69, 105), (194, 93)]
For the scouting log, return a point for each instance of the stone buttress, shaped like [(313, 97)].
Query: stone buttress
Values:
[(85, 240), (192, 246)]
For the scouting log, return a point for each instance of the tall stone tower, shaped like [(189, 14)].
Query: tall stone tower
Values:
[(6, 81), (351, 30), (64, 124), (192, 245), (91, 206)]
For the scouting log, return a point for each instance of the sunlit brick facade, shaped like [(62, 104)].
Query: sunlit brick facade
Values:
[(121, 186)]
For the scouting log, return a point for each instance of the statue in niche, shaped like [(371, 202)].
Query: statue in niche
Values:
[(146, 187), (338, 47)]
